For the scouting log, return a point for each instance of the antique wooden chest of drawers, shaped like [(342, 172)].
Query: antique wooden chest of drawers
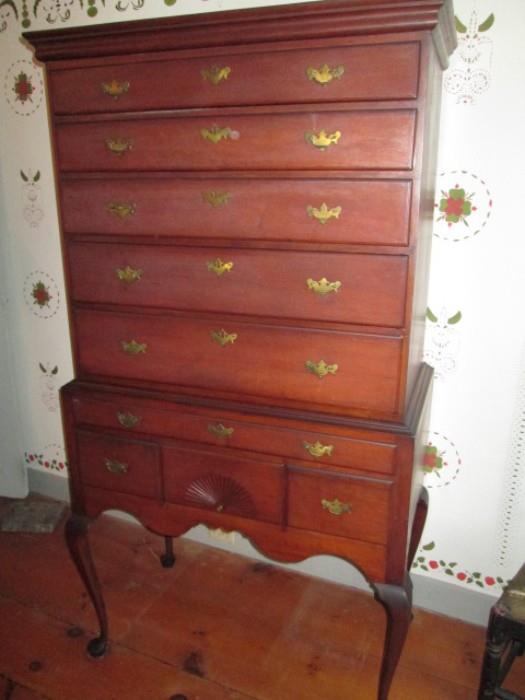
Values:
[(246, 203)]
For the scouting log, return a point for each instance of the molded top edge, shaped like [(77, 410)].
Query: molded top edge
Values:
[(408, 427), (322, 19)]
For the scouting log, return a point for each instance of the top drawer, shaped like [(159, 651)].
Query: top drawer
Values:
[(375, 72)]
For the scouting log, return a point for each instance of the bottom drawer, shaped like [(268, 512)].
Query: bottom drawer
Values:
[(127, 466), (241, 486), (338, 504)]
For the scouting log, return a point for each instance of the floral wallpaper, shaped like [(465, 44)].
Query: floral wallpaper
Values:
[(474, 461)]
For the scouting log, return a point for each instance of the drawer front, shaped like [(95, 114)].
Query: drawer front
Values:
[(328, 211), (388, 71), (127, 466), (245, 487), (339, 505), (317, 141), (361, 289), (133, 415), (309, 367)]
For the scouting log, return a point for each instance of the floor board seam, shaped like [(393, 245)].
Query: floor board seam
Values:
[(127, 647), (15, 683)]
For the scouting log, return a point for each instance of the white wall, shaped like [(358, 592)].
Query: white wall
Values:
[(475, 460), (13, 476)]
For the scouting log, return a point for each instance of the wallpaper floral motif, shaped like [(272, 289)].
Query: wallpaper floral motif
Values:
[(474, 459), (470, 74)]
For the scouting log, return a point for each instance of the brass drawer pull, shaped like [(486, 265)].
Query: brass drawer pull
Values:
[(323, 213), (121, 210), (128, 420), (336, 507), (322, 140), (219, 267), (321, 369), (223, 338), (216, 74), (220, 430), (324, 75), (115, 89), (323, 286), (131, 347), (217, 133), (317, 449), (128, 274), (216, 199), (115, 467), (119, 146)]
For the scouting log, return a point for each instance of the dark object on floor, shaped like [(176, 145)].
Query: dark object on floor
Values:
[(31, 516), (505, 640)]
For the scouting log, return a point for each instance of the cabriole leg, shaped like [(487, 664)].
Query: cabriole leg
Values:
[(168, 558), (77, 541), (397, 601), (420, 518)]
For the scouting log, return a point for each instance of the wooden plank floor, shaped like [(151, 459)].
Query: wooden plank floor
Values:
[(215, 627)]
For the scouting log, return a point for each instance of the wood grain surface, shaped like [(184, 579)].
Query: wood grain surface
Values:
[(215, 627)]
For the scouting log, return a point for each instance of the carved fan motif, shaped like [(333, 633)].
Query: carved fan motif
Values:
[(222, 494)]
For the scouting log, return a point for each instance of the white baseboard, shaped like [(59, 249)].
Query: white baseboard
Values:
[(441, 597), (48, 484)]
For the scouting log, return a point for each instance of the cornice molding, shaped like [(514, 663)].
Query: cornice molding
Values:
[(324, 19)]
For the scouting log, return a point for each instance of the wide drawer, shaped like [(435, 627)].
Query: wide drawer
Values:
[(335, 73), (330, 211), (211, 480), (339, 504), (124, 465), (131, 414), (360, 289), (311, 368), (362, 139)]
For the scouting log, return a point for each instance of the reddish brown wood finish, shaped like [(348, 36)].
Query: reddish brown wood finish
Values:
[(243, 436), (259, 283), (284, 544), (369, 139), (214, 480), (275, 209), (381, 72), (133, 414), (370, 18), (139, 462), (310, 492), (265, 361)]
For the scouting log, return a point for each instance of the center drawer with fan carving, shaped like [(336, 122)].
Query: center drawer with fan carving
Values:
[(291, 366), (359, 289), (367, 139), (248, 486)]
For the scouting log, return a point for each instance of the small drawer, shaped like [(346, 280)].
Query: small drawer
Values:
[(332, 73), (354, 372), (127, 466), (325, 211), (321, 140), (319, 447), (245, 487), (339, 505), (338, 287)]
